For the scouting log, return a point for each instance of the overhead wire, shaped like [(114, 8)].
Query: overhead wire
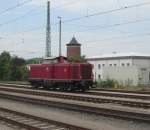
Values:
[(128, 36), (95, 14), (89, 15), (18, 18), (105, 12), (100, 13), (98, 27), (107, 39), (15, 6), (110, 26)]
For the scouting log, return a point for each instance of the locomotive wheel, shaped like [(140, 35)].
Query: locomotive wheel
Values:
[(83, 89), (45, 87), (73, 89), (33, 84)]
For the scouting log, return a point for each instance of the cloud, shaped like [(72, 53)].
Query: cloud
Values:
[(32, 44)]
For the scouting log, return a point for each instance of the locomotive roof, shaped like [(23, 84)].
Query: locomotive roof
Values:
[(58, 59), (54, 58)]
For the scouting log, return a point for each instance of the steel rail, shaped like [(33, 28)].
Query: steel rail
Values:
[(100, 110), (84, 98), (122, 91), (31, 122), (28, 86), (11, 84), (119, 94)]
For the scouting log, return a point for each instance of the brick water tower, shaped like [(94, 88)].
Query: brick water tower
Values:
[(73, 48)]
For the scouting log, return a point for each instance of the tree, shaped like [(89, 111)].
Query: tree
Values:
[(12, 68), (77, 59), (34, 61), (18, 68), (5, 62)]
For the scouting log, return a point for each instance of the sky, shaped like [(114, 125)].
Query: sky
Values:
[(101, 26)]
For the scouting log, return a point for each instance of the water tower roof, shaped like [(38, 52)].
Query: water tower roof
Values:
[(74, 42)]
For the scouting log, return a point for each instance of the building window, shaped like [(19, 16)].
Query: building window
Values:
[(103, 65), (115, 65), (122, 64), (128, 64), (143, 69), (99, 66), (110, 64), (99, 76)]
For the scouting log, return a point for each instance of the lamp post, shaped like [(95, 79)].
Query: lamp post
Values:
[(59, 35)]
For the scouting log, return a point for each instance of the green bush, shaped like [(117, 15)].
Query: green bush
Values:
[(106, 83), (77, 59), (12, 68)]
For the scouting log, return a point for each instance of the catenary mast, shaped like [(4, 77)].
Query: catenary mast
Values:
[(48, 32)]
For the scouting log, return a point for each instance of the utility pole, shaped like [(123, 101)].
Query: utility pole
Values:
[(59, 36), (48, 32)]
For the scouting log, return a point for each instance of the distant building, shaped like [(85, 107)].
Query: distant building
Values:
[(126, 68), (73, 48)]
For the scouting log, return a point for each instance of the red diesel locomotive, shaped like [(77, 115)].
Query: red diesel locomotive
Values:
[(58, 73)]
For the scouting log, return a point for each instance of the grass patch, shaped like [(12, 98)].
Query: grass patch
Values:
[(112, 84)]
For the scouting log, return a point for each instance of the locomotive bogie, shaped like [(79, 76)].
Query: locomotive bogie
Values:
[(62, 85)]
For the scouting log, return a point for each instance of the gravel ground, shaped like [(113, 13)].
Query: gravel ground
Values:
[(88, 120), (6, 126)]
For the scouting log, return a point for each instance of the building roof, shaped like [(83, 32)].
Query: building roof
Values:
[(120, 56), (74, 42)]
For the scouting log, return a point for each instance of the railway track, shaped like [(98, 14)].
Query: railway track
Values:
[(81, 97), (122, 91), (106, 110), (93, 89), (119, 94), (97, 92), (31, 122), (76, 103), (93, 92)]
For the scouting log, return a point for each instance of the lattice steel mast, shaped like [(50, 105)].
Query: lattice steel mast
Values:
[(48, 32)]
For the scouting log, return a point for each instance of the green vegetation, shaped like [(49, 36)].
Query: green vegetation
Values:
[(12, 68), (5, 66), (106, 83), (34, 61), (132, 88), (77, 59), (112, 84)]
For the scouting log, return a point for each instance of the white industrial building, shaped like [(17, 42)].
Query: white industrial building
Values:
[(126, 68)]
